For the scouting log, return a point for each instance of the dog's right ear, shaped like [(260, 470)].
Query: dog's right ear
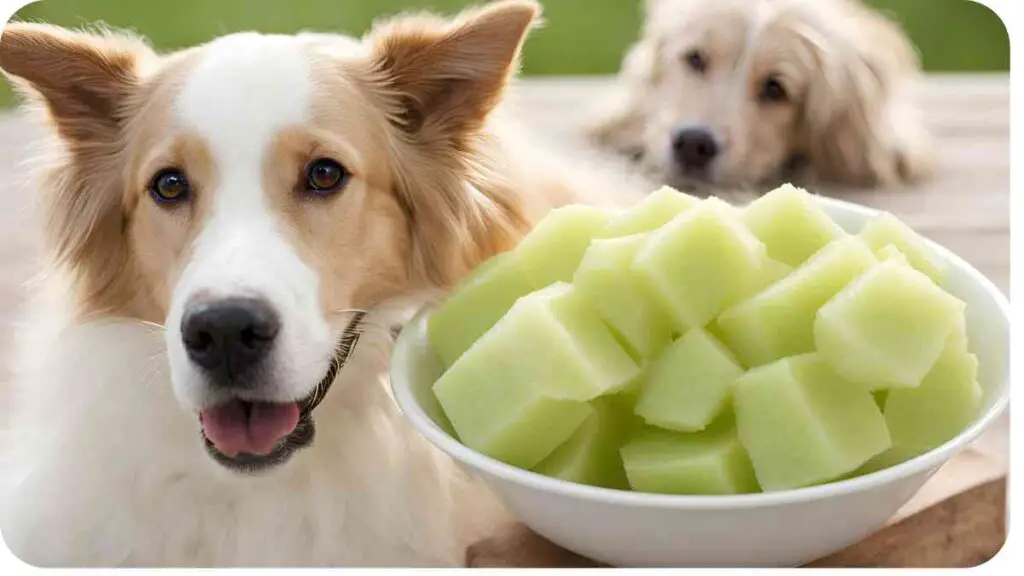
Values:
[(617, 119), (445, 76), (83, 80)]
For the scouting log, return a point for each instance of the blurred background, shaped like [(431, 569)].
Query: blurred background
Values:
[(582, 37)]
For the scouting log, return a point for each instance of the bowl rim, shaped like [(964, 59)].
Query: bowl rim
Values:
[(931, 460)]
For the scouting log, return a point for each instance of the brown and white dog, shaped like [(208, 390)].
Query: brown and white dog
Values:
[(222, 224), (747, 93)]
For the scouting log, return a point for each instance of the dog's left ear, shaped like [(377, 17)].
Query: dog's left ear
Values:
[(445, 76), (862, 122)]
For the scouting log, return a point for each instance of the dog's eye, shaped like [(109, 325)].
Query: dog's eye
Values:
[(696, 60), (169, 185), (772, 91), (325, 176)]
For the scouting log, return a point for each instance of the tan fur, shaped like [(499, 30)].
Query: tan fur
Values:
[(849, 72), (441, 179), (429, 198)]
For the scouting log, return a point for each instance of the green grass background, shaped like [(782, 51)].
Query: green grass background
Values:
[(581, 36)]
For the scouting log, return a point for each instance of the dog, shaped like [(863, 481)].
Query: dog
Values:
[(747, 94), (233, 232)]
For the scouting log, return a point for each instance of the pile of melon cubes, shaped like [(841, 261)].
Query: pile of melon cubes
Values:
[(690, 346)]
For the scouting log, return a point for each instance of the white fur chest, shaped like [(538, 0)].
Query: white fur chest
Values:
[(106, 469)]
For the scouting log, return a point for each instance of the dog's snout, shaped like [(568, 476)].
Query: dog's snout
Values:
[(694, 148), (228, 336)]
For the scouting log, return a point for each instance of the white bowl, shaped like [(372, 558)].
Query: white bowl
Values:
[(780, 529)]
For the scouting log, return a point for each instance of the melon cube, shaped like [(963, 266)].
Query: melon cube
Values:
[(703, 463), (699, 264), (887, 327), (651, 213), (591, 455), (886, 229), (688, 385), (779, 321), (604, 280), (802, 424), (946, 402), (521, 390), (552, 250), (888, 459), (476, 304), (792, 225)]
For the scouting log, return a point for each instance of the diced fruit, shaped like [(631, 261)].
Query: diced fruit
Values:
[(521, 390), (475, 305), (653, 212), (779, 321), (886, 229), (887, 327), (699, 263), (688, 346), (709, 462), (591, 455), (945, 403), (802, 424), (688, 385), (553, 249), (791, 224), (604, 281)]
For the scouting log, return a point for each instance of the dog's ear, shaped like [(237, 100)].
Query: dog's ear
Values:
[(445, 76), (618, 118), (83, 80), (83, 83), (861, 119)]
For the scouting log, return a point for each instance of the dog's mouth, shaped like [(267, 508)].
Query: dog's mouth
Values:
[(251, 436), (252, 428)]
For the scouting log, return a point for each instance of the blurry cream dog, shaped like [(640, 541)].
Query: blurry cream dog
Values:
[(232, 232), (742, 93)]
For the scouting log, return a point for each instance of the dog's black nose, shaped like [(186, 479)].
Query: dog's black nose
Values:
[(694, 148), (230, 335)]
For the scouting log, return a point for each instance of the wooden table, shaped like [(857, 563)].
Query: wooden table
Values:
[(965, 208)]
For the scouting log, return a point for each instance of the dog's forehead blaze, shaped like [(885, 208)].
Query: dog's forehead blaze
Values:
[(258, 107)]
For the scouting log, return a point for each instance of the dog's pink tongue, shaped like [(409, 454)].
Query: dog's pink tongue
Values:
[(233, 429)]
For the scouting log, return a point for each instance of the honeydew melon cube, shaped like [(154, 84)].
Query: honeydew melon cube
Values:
[(522, 389), (476, 304), (591, 455), (888, 459), (703, 463), (779, 321), (886, 229), (699, 264), (886, 328), (552, 250), (946, 402), (791, 224), (687, 387), (654, 211), (802, 424), (604, 280)]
